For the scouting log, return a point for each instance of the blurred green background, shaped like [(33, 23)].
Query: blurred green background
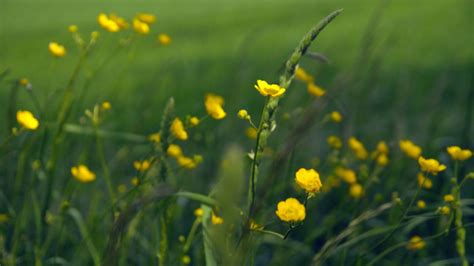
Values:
[(408, 66)]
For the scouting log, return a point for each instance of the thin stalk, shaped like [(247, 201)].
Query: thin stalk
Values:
[(460, 231), (105, 169)]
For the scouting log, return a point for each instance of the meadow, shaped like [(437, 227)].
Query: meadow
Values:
[(236, 132)]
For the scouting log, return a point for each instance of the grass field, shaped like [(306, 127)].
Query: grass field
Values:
[(396, 70)]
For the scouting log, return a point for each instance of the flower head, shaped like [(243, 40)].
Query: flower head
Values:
[(348, 175), (421, 204), (146, 18), (174, 151), (155, 137), (82, 173), (121, 22), (430, 165), (308, 179), (56, 49), (382, 147), (301, 74), (444, 210), (107, 23), (243, 114), (27, 120), (272, 90), (358, 148), (141, 27), (356, 191), (315, 90), (177, 129), (164, 39), (334, 142), (416, 243), (382, 159), (72, 28), (448, 198), (213, 104), (410, 149), (459, 154), (186, 162), (291, 210), (142, 166), (194, 121), (216, 219), (424, 181), (336, 117), (251, 133), (198, 212)]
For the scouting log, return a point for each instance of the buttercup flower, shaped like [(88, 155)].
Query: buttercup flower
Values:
[(459, 154), (106, 105), (164, 39), (291, 211), (348, 175), (107, 23), (430, 165), (194, 121), (186, 162), (27, 120), (174, 151), (198, 212), (72, 28), (334, 142), (315, 90), (213, 104), (155, 137), (251, 133), (146, 18), (358, 148), (356, 191), (141, 27), (336, 116), (177, 129), (301, 74), (121, 22), (382, 160), (186, 260), (410, 149), (56, 49), (445, 210), (421, 204), (82, 173), (243, 114), (424, 181), (142, 165), (216, 219), (135, 181), (416, 243), (272, 90), (448, 198), (382, 147), (308, 179)]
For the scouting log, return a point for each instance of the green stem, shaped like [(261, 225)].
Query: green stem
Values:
[(192, 233), (105, 169), (460, 231)]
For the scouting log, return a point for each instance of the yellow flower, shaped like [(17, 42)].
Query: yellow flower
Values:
[(56, 49), (186, 260), (356, 191), (348, 175), (410, 149), (194, 121), (416, 243), (121, 22), (291, 210), (430, 165), (213, 104), (177, 129), (272, 90), (142, 166), (174, 151), (82, 173), (251, 133), (424, 181), (135, 181), (308, 179), (448, 198), (382, 160), (445, 210), (255, 226), (24, 82), (107, 23), (315, 90), (243, 114), (336, 117), (146, 18), (95, 35), (106, 105), (358, 148), (122, 188), (164, 39), (155, 137), (198, 212), (141, 27), (27, 120), (301, 74), (72, 28), (459, 154), (216, 219), (334, 142), (186, 162), (421, 204), (382, 147)]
